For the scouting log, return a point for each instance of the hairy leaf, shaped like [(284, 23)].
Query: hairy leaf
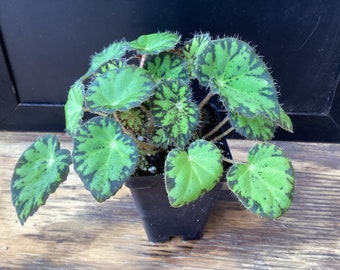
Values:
[(38, 173), (174, 111), (108, 66), (285, 122), (104, 157), (119, 90), (266, 184), (160, 138), (167, 66), (234, 71), (74, 107), (256, 128), (114, 51), (155, 43), (193, 48), (188, 175)]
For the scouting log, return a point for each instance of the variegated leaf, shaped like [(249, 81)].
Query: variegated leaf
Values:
[(167, 66), (285, 122), (38, 173), (114, 51), (188, 175), (160, 138), (119, 90), (265, 185), (174, 111), (104, 157), (232, 69), (74, 107), (193, 48), (256, 128), (155, 43)]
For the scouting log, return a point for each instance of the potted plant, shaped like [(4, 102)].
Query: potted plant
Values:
[(133, 113)]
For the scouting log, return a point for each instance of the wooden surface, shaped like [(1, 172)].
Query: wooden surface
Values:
[(74, 232)]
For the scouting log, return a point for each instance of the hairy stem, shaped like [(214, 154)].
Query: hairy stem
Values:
[(225, 133), (142, 61), (146, 110), (215, 129), (97, 113), (205, 100), (228, 160)]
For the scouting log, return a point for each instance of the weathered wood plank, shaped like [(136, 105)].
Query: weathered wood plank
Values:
[(74, 232)]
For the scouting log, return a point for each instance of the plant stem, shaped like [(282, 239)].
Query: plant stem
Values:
[(205, 100), (228, 160), (142, 61), (146, 110), (215, 129), (126, 131), (225, 133), (97, 113)]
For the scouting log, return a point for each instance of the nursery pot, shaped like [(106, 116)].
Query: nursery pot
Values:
[(162, 221)]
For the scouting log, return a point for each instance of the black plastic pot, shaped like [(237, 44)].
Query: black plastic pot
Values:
[(162, 221)]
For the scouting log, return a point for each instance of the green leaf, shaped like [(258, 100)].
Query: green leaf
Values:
[(167, 66), (105, 68), (38, 173), (108, 66), (174, 111), (256, 128), (160, 138), (104, 157), (285, 122), (120, 89), (234, 71), (155, 43), (193, 48), (266, 184), (114, 51), (74, 107), (188, 175)]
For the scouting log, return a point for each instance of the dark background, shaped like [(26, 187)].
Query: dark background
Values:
[(46, 46)]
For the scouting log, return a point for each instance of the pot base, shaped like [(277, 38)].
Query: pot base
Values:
[(162, 221)]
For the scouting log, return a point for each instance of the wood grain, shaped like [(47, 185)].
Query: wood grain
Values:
[(74, 232)]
